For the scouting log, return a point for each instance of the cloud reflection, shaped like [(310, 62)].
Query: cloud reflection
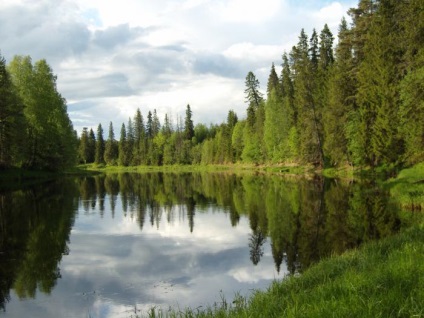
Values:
[(114, 269)]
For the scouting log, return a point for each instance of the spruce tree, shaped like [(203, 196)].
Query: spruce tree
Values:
[(155, 124), (339, 115), (139, 148), (84, 152), (100, 146), (122, 148), (91, 146), (167, 127), (273, 82), (149, 125), (308, 120), (188, 124), (111, 147), (290, 142), (252, 151), (130, 142)]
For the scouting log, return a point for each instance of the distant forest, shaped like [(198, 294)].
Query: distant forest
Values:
[(358, 103)]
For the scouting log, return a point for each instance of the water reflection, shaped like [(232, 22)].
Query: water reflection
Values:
[(107, 244), (35, 224)]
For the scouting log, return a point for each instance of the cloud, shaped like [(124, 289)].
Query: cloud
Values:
[(101, 86), (330, 14), (113, 58), (42, 29), (115, 35), (217, 64), (251, 11)]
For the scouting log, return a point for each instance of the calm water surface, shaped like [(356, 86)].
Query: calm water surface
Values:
[(115, 246)]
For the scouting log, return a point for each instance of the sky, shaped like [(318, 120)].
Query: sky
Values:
[(114, 56)]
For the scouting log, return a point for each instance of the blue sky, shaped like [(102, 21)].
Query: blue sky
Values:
[(112, 57)]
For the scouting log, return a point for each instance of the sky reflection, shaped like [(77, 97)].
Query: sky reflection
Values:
[(116, 269)]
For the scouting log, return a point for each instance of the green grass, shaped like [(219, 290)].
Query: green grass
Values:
[(381, 279), (165, 168), (341, 172), (408, 188)]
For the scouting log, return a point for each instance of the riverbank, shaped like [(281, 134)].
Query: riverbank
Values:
[(380, 279)]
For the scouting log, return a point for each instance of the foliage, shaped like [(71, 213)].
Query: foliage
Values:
[(407, 189), (359, 103), (39, 132)]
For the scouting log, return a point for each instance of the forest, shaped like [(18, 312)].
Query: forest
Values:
[(35, 129), (359, 102)]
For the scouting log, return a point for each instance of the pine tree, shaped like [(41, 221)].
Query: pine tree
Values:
[(322, 74), (130, 142), (273, 82), (252, 151), (232, 121), (339, 115), (326, 57), (313, 50), (275, 127), (411, 87), (237, 140), (378, 81), (100, 146), (91, 146), (122, 148), (155, 124), (149, 125), (167, 127), (290, 142), (308, 125), (139, 149), (111, 149), (188, 124), (84, 151), (273, 117), (253, 95)]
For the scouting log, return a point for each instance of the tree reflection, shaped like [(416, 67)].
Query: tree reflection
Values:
[(35, 225), (304, 220), (256, 241)]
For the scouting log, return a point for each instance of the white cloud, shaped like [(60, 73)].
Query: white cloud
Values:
[(112, 57), (330, 14), (255, 53), (251, 11)]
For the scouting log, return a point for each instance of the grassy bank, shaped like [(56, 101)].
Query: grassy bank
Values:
[(407, 188), (236, 168), (381, 279)]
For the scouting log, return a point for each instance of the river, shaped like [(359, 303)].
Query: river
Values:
[(117, 245)]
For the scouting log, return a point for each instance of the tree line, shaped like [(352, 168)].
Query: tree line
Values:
[(142, 142), (358, 103), (35, 130)]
